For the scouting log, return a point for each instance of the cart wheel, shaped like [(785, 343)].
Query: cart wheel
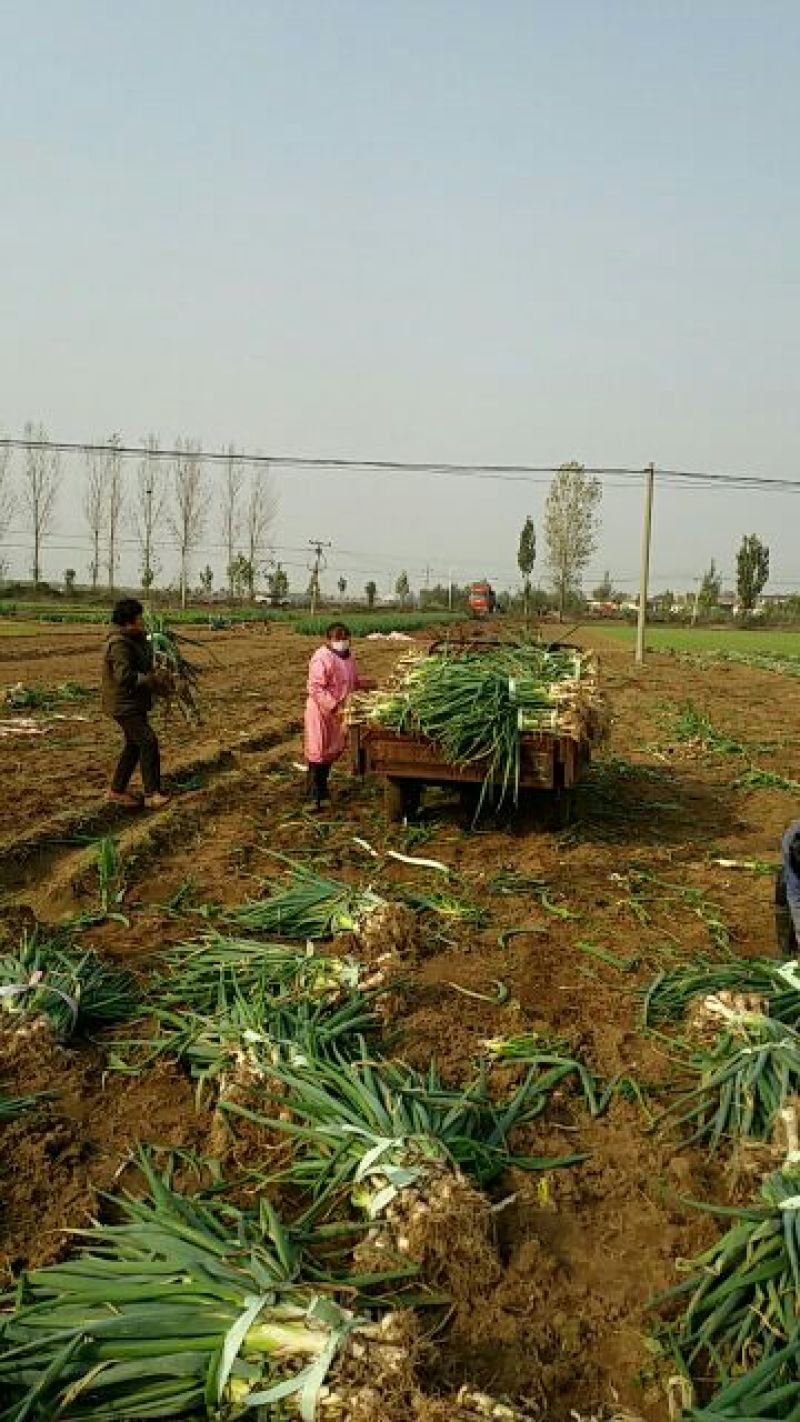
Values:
[(562, 809), (393, 800), (469, 797), (412, 798), (401, 799)]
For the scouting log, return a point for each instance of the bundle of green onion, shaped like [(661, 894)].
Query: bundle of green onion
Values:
[(744, 1292), (184, 1309), (746, 1077), (250, 1032), (206, 974), (776, 984), (72, 990), (475, 705), (403, 1145), (309, 908), (168, 656)]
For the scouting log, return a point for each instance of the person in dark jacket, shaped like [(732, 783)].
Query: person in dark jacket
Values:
[(129, 682), (787, 894)]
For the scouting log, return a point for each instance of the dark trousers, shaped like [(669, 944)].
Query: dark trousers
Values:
[(317, 788), (141, 745), (784, 926)]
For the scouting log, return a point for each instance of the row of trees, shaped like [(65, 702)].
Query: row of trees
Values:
[(166, 501), (571, 526), (752, 576)]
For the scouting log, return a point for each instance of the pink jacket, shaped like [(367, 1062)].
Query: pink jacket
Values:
[(330, 681)]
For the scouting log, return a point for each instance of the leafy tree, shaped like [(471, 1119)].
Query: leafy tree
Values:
[(402, 588), (710, 588), (277, 584), (69, 581), (441, 595), (342, 586), (526, 557), (207, 580), (239, 575), (571, 524), (371, 590), (752, 571)]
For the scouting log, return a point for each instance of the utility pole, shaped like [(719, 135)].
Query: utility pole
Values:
[(644, 579), (450, 589), (320, 562), (148, 536)]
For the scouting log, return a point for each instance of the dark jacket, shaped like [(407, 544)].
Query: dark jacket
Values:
[(127, 663)]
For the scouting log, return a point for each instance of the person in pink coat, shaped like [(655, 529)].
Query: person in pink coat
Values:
[(332, 675)]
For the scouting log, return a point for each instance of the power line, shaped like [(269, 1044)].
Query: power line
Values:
[(295, 461), (511, 472)]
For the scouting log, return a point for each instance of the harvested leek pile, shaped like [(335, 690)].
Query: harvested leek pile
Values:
[(205, 975), (310, 908), (243, 1038), (408, 1150), (187, 1309), (193, 1309), (744, 1292), (70, 990), (168, 655), (739, 982), (475, 705), (747, 1075)]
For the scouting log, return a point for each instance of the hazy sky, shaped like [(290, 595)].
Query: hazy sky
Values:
[(471, 230)]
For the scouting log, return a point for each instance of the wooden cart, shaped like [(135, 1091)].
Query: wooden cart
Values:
[(550, 764)]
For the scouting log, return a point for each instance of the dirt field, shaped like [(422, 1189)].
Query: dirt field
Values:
[(566, 1324)]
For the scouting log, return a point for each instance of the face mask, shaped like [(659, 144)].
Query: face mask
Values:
[(340, 648)]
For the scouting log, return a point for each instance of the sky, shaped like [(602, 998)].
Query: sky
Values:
[(480, 231)]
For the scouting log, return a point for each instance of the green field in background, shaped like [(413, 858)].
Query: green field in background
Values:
[(769, 643), (30, 620)]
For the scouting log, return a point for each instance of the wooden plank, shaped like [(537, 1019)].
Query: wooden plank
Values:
[(547, 761)]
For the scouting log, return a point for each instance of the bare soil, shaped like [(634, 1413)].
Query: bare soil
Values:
[(563, 1321)]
